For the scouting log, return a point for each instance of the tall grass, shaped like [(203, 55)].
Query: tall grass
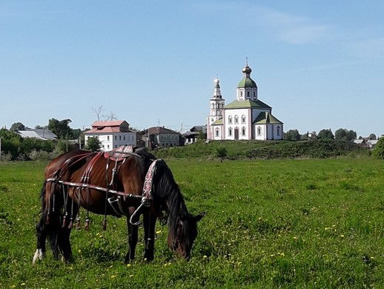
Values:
[(313, 223)]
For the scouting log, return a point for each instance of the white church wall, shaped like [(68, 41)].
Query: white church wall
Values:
[(237, 124)]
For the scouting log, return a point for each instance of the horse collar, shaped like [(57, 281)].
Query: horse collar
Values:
[(147, 188)]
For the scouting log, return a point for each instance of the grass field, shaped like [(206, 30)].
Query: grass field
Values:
[(270, 223)]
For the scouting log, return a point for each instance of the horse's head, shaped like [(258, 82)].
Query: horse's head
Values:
[(182, 240)]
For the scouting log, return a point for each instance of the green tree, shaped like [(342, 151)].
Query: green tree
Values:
[(60, 128), (292, 134), (325, 134), (17, 126), (378, 151), (93, 144)]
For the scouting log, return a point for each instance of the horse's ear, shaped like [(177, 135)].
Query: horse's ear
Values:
[(199, 216)]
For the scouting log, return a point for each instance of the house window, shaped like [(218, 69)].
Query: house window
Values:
[(230, 119), (236, 119)]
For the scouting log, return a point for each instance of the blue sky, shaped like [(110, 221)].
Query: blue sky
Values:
[(319, 64)]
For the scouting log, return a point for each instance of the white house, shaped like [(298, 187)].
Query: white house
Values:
[(245, 118), (111, 134)]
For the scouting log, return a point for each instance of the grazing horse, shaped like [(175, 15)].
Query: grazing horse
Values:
[(119, 183)]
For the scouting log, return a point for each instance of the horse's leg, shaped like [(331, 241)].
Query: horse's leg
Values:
[(149, 220), (132, 241), (65, 232), (41, 234)]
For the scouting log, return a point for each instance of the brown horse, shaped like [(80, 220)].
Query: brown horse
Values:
[(112, 184)]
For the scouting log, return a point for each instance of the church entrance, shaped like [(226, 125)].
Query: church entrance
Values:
[(236, 133)]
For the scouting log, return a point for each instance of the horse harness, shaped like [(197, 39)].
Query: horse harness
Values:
[(113, 197)]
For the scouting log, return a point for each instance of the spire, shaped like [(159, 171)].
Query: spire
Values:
[(216, 91)]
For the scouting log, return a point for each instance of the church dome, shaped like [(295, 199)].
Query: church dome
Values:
[(247, 81)]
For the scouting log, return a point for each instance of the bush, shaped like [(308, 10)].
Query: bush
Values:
[(378, 152)]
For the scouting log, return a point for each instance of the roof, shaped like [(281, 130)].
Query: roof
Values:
[(218, 122), (247, 104), (161, 130), (43, 134), (246, 82), (100, 127), (265, 118)]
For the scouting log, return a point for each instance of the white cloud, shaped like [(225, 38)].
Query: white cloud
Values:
[(293, 29)]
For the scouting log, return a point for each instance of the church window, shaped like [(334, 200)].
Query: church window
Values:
[(243, 131), (230, 119), (254, 93), (236, 119), (258, 130), (247, 93), (241, 93), (230, 131), (278, 130), (243, 119), (217, 132)]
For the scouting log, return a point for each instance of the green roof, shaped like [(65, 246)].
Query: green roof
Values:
[(266, 117), (247, 104), (217, 122), (246, 82)]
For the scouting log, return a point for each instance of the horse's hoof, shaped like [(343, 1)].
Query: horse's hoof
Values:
[(39, 255)]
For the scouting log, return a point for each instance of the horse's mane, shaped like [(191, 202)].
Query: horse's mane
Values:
[(167, 193)]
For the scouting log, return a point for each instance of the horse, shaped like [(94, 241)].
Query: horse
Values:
[(118, 183)]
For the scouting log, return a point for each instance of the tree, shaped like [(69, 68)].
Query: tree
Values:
[(17, 126), (292, 134), (325, 134), (372, 136), (60, 128), (93, 144), (378, 151)]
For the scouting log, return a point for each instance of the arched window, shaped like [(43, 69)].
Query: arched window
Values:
[(236, 119), (243, 119), (230, 119), (230, 131), (247, 93), (217, 132), (258, 130), (243, 131)]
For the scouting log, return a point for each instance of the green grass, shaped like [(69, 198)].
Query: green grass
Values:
[(313, 223)]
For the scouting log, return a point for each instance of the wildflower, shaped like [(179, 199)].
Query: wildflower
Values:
[(129, 265), (342, 236), (205, 257), (158, 232), (113, 276)]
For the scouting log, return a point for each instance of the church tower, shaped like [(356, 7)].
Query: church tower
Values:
[(247, 88), (216, 104)]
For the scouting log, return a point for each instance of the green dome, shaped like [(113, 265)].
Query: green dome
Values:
[(246, 82)]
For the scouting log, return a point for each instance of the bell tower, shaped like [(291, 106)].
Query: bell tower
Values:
[(216, 104)]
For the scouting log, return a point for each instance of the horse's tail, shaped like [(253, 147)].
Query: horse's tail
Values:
[(50, 221)]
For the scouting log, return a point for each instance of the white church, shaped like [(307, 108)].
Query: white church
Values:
[(246, 118)]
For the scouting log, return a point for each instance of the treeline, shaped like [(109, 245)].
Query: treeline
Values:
[(14, 147), (313, 148)]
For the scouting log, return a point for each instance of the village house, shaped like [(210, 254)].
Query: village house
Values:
[(111, 134), (157, 137), (42, 134), (245, 118)]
